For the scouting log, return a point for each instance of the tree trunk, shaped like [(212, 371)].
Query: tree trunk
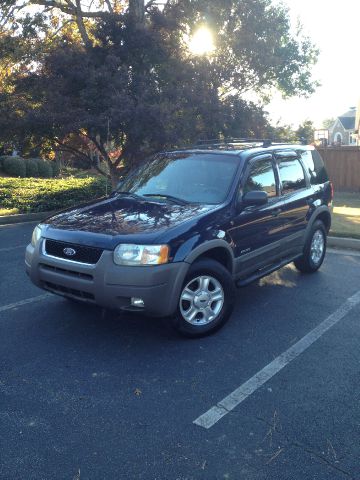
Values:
[(58, 159), (137, 10), (114, 175)]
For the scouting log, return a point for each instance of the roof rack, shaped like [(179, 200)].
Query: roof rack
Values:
[(234, 143), (230, 142)]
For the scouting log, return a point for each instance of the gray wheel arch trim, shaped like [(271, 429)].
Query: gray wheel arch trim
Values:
[(207, 247), (315, 216)]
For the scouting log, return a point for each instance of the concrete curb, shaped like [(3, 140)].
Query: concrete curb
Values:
[(25, 217), (334, 242), (346, 243)]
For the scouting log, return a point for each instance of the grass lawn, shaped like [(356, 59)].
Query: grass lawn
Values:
[(31, 195), (346, 215)]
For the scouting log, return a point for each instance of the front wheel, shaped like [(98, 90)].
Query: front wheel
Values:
[(206, 299), (314, 251)]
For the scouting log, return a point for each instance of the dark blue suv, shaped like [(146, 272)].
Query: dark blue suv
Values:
[(184, 229)]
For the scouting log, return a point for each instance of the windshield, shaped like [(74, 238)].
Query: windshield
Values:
[(186, 177)]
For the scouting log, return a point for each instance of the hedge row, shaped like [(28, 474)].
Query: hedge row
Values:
[(41, 195), (31, 167)]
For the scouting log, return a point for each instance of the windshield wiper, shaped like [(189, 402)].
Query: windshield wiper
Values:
[(127, 194), (173, 199)]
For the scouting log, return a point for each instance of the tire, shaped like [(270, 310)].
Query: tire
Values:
[(314, 250), (206, 300)]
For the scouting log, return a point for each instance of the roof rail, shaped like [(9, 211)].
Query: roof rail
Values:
[(234, 142), (231, 142)]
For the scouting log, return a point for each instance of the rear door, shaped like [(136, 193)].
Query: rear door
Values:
[(296, 196)]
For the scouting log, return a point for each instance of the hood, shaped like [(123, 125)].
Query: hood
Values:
[(125, 216)]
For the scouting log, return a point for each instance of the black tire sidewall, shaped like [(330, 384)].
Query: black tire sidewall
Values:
[(218, 271)]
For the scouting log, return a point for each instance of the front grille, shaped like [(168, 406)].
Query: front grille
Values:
[(61, 290), (83, 254)]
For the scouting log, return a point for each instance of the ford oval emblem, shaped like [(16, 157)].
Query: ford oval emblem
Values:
[(70, 252)]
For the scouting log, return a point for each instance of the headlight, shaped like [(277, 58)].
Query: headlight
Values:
[(36, 235), (125, 254)]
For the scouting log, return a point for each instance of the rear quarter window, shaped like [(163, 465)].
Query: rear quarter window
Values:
[(315, 167)]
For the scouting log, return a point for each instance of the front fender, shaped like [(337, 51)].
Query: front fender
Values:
[(190, 251)]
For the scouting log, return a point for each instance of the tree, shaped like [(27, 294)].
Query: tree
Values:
[(305, 132), (283, 133), (120, 74), (328, 122)]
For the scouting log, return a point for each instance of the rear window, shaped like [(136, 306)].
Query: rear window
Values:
[(291, 175), (315, 166)]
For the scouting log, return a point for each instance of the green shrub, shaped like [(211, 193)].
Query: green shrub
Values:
[(55, 168), (41, 195), (2, 158), (44, 168), (32, 169), (14, 166)]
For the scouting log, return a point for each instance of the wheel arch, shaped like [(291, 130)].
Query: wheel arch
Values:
[(322, 214), (217, 250), (325, 217)]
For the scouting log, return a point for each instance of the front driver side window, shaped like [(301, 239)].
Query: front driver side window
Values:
[(261, 177)]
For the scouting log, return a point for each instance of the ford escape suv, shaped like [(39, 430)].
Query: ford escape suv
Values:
[(182, 231)]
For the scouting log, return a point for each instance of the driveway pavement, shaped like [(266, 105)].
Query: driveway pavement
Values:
[(88, 394)]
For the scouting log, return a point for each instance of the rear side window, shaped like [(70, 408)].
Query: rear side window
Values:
[(291, 175), (261, 177), (315, 166)]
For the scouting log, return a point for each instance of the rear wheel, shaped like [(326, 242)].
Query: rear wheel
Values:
[(314, 251), (206, 299)]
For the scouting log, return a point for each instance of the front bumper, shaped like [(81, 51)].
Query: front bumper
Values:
[(107, 284)]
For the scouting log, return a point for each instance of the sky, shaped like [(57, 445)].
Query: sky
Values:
[(334, 27)]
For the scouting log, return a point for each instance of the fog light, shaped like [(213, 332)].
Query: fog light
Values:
[(137, 302)]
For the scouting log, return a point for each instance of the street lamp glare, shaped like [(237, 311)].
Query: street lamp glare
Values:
[(202, 43)]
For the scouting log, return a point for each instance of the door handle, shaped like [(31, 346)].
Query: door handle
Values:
[(276, 212)]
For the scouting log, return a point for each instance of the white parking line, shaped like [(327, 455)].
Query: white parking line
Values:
[(8, 249), (25, 302), (209, 418)]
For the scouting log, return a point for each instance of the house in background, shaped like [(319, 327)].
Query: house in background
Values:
[(342, 132), (357, 125)]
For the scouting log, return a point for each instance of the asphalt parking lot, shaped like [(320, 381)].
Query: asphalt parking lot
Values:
[(88, 394)]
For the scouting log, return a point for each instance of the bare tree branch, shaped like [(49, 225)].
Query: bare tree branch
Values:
[(117, 161), (150, 3), (66, 148), (9, 14), (111, 10), (100, 147), (54, 4), (70, 10), (81, 25), (53, 35), (62, 146)]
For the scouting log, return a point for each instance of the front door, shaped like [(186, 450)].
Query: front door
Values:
[(256, 231)]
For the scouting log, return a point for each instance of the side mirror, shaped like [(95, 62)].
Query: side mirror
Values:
[(257, 197)]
